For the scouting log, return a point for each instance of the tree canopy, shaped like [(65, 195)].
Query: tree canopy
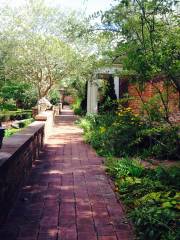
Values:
[(44, 47), (147, 37)]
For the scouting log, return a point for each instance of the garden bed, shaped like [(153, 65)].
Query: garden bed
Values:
[(142, 160), (126, 134), (151, 197), (6, 116)]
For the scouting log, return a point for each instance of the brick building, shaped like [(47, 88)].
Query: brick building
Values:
[(123, 85)]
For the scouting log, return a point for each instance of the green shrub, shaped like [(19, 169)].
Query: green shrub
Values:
[(151, 197), (15, 115), (126, 134), (108, 102), (54, 96), (9, 105), (10, 131), (155, 223), (77, 108), (125, 167), (160, 141), (17, 94)]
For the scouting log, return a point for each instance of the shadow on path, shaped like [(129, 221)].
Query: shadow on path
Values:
[(67, 195)]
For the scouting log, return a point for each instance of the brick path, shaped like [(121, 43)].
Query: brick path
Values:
[(67, 196)]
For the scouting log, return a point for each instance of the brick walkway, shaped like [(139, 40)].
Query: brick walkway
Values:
[(67, 196)]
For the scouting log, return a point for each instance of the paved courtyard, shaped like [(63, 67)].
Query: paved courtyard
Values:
[(68, 195)]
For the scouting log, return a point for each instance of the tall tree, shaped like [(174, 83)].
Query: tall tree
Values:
[(147, 40)]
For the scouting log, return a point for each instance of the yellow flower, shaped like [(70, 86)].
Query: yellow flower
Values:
[(128, 109), (102, 129)]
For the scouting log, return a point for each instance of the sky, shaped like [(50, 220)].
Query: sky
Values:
[(91, 6)]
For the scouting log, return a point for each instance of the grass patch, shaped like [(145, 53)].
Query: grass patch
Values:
[(11, 131)]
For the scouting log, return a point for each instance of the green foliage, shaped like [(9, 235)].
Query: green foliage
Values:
[(125, 167), (43, 47), (17, 95), (15, 115), (54, 96), (147, 36), (77, 107), (8, 105), (125, 134), (26, 122), (168, 176), (162, 141), (10, 131), (108, 103), (155, 223), (144, 46), (151, 197), (153, 109)]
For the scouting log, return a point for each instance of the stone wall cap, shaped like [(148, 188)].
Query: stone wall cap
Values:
[(40, 117), (3, 157), (14, 143)]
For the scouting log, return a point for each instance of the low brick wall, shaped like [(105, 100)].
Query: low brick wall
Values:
[(16, 157)]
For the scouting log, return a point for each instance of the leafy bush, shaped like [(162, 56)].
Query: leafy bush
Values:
[(151, 197), (10, 131), (161, 141), (18, 95), (155, 223), (77, 107), (108, 102), (54, 96), (126, 134), (125, 167), (153, 109), (9, 105), (15, 115)]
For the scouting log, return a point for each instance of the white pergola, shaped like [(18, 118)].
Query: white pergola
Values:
[(92, 91)]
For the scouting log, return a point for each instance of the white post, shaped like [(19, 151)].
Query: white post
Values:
[(89, 97), (92, 97), (116, 86)]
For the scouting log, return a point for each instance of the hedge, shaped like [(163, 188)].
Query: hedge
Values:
[(15, 115)]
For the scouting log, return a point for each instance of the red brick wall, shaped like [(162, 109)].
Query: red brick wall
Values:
[(69, 99), (16, 157), (149, 91)]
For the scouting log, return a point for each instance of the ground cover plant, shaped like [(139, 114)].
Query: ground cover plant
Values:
[(151, 197)]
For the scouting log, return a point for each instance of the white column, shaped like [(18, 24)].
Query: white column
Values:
[(89, 97), (116, 86), (92, 97), (94, 106)]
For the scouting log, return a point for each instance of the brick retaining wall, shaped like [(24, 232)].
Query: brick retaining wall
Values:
[(16, 157)]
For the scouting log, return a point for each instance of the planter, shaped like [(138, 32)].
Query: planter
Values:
[(2, 132)]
